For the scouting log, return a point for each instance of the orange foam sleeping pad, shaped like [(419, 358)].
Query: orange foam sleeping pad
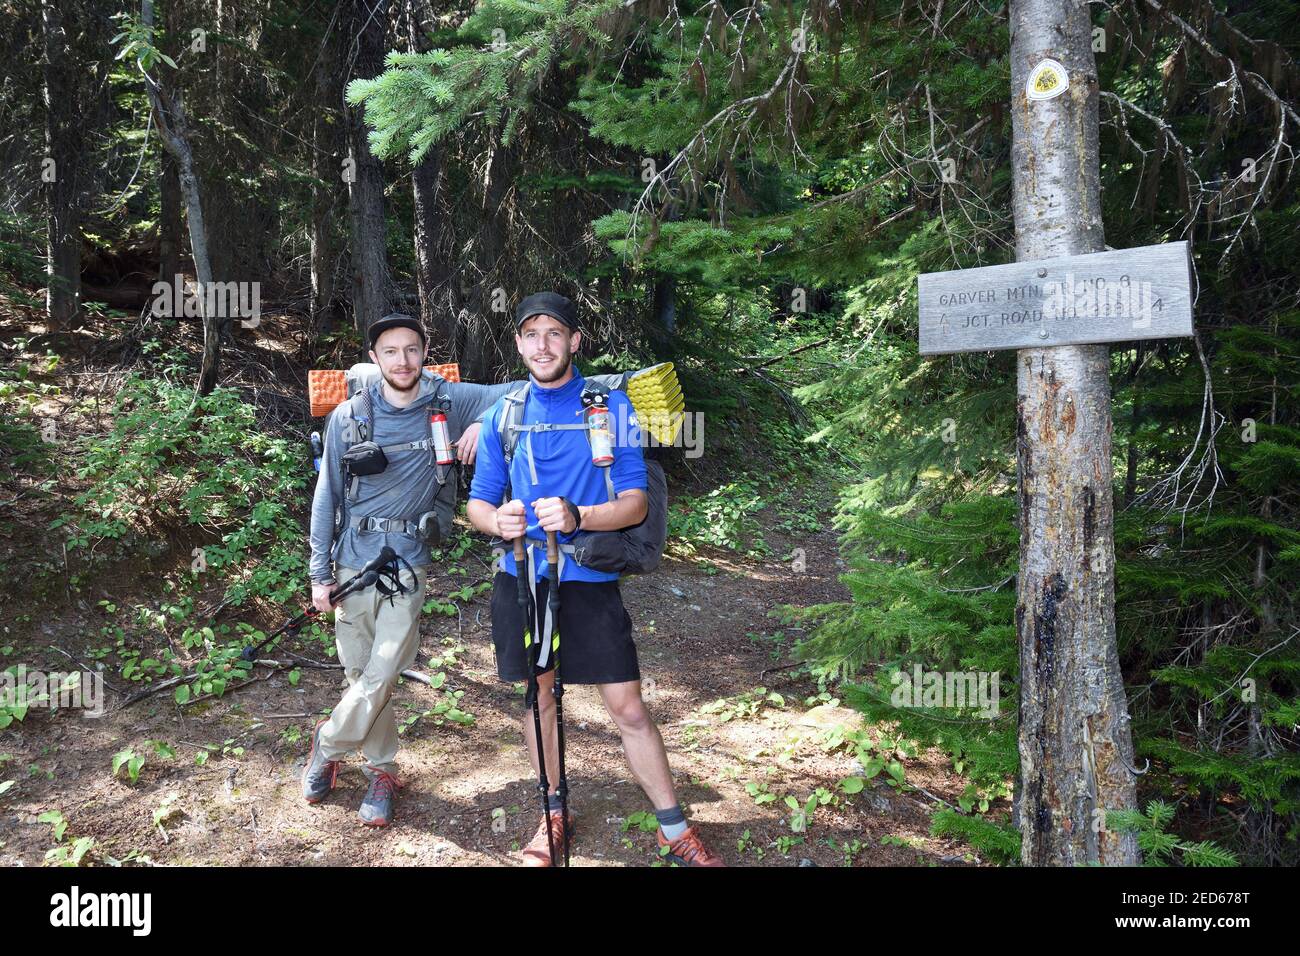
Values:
[(327, 388)]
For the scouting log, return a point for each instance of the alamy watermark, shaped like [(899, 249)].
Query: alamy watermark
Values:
[(57, 690), (955, 690), (225, 300), (628, 428), (1096, 298), (75, 908)]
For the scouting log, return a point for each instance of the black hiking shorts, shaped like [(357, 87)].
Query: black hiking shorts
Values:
[(595, 632)]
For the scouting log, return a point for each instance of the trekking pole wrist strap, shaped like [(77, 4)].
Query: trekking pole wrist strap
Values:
[(573, 510)]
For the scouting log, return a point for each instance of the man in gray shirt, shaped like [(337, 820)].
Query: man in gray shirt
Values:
[(352, 520)]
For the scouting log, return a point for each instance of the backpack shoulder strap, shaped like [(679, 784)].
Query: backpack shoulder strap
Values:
[(357, 426), (441, 393), (368, 427), (358, 422), (512, 413)]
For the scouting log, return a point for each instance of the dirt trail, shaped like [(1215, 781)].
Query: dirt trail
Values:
[(704, 635)]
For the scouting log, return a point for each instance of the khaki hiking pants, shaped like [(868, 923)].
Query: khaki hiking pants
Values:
[(376, 641)]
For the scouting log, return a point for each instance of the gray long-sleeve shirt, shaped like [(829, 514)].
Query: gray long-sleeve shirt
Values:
[(406, 489)]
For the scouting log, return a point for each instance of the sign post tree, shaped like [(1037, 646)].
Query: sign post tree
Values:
[(1059, 305), (1076, 751)]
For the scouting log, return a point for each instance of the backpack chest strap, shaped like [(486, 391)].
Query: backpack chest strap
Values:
[(510, 426), (549, 427)]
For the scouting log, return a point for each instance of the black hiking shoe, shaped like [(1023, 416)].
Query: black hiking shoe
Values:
[(319, 774)]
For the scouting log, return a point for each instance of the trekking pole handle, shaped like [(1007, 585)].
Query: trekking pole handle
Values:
[(368, 576), (365, 577), (521, 583), (386, 555), (552, 549)]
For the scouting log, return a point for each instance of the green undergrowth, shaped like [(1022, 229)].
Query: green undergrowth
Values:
[(170, 459)]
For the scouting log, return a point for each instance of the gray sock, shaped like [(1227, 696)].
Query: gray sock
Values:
[(553, 801), (672, 821)]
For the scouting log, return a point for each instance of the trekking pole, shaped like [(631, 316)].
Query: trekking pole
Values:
[(359, 582), (531, 695), (553, 599)]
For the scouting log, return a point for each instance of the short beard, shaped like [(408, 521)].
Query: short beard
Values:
[(558, 373), (415, 386)]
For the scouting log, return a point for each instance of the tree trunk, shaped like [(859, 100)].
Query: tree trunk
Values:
[(370, 280), (438, 311), (1075, 747), (224, 95), (1135, 421), (431, 272), (169, 226), (63, 148), (173, 131), (326, 170), (478, 322), (1267, 616), (665, 305)]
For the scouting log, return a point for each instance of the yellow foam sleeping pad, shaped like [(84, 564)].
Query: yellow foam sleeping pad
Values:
[(657, 397)]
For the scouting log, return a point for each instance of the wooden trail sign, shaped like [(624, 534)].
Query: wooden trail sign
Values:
[(1142, 293)]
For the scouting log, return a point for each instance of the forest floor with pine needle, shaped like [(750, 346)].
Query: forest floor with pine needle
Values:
[(220, 780)]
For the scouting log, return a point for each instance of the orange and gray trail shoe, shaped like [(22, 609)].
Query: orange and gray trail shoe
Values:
[(377, 806), (319, 774), (688, 850), (538, 851)]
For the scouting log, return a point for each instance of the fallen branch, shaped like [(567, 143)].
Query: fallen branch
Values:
[(781, 358), (256, 680), (90, 670), (274, 666), (791, 403), (772, 670), (153, 689)]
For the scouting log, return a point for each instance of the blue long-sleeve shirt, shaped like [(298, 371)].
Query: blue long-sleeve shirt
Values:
[(562, 460)]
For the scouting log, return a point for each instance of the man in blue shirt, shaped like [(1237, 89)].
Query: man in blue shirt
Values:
[(555, 486)]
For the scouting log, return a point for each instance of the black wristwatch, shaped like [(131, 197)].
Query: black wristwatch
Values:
[(573, 510)]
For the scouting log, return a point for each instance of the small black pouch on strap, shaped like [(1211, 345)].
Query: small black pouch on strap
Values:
[(365, 458)]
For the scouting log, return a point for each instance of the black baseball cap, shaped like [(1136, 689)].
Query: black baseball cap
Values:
[(395, 320), (547, 303)]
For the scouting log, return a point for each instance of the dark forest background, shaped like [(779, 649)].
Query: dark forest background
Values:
[(747, 190)]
